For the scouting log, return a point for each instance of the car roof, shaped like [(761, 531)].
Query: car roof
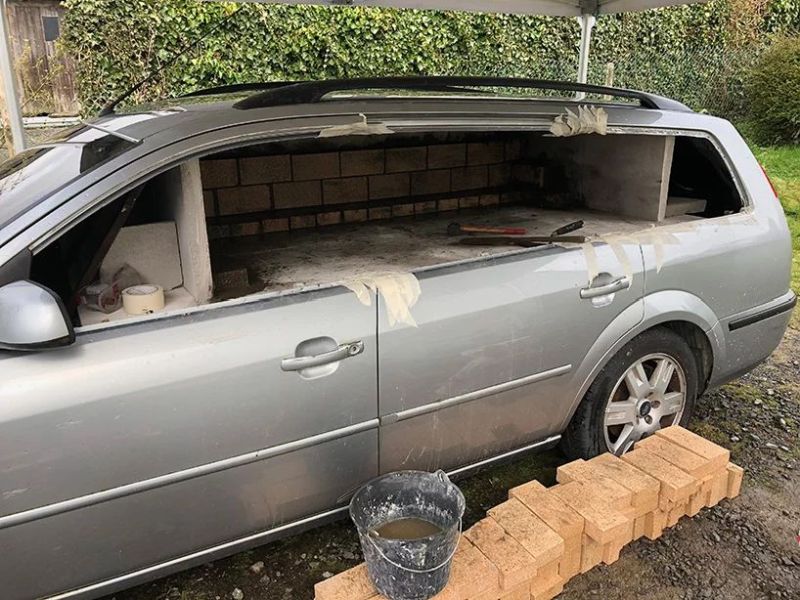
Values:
[(253, 101)]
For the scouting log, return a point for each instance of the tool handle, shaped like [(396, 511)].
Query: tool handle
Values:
[(494, 230), (569, 228)]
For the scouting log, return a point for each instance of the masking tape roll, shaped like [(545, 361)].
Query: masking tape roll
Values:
[(143, 299)]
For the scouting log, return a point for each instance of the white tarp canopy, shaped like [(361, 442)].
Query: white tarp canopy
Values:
[(585, 10)]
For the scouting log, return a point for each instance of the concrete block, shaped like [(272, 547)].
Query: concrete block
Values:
[(469, 202), (521, 592), (265, 169), (514, 564), (684, 459), (547, 583), (361, 162), (353, 584), (484, 153), (562, 519), (244, 229), (217, 173), (603, 523), (489, 199), (447, 204), (322, 165), (329, 218), (513, 150), (443, 156), (499, 175), (152, 249), (541, 542), (406, 159), (430, 182), (547, 590), (209, 203), (273, 225), (643, 488), (469, 178), (402, 210), (613, 494), (591, 553), (230, 278), (302, 222), (719, 489), (421, 208), (295, 194), (716, 455), (654, 524), (355, 216), (676, 485), (735, 477), (240, 200), (382, 212), (471, 574), (396, 185), (344, 189), (677, 512)]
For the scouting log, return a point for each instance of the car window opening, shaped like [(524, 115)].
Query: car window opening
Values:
[(284, 216)]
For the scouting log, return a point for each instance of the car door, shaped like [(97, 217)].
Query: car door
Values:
[(151, 440), (491, 362)]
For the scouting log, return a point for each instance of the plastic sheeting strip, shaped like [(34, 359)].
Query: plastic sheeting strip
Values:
[(359, 128), (400, 292), (589, 119)]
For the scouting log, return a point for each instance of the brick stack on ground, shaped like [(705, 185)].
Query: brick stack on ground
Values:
[(528, 547)]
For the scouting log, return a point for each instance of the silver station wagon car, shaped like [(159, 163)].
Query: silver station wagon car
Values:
[(221, 315)]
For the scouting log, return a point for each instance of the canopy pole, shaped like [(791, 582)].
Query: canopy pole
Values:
[(587, 22), (10, 83)]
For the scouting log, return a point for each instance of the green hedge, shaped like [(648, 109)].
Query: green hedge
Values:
[(773, 93), (691, 52)]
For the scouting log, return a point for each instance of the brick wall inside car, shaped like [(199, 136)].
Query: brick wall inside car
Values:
[(248, 195)]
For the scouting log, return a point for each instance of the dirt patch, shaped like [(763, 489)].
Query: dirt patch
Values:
[(745, 548)]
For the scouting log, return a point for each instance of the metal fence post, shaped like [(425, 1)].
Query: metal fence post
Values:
[(13, 111)]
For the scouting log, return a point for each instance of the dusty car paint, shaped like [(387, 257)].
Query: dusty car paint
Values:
[(166, 441)]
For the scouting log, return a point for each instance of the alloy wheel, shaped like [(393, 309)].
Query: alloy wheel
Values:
[(650, 395)]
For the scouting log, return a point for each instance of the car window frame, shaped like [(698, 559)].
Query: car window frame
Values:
[(293, 128)]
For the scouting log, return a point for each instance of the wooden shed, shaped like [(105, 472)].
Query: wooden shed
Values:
[(45, 74)]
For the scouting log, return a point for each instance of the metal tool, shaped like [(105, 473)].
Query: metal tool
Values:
[(569, 228), (526, 242), (459, 229)]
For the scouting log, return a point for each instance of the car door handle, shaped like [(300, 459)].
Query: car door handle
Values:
[(593, 291), (306, 362)]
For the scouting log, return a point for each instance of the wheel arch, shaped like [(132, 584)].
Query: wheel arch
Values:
[(682, 312)]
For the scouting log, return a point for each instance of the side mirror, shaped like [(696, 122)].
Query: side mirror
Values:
[(32, 318)]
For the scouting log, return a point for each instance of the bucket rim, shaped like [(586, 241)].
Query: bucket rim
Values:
[(441, 475)]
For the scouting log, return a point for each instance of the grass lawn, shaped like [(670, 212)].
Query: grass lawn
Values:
[(782, 163)]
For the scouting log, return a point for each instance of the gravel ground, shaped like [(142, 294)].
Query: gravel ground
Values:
[(746, 548)]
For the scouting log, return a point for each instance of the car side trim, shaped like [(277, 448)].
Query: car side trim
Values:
[(145, 485), (262, 537), (763, 314), (477, 394)]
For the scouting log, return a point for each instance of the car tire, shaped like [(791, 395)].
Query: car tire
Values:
[(603, 423)]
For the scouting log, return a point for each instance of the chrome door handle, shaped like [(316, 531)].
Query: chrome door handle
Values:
[(306, 362), (622, 283)]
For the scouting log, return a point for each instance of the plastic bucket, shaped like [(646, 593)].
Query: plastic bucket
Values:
[(414, 569)]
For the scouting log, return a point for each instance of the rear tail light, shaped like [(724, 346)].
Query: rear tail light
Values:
[(769, 181)]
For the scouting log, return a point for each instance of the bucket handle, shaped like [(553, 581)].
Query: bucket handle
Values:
[(420, 571)]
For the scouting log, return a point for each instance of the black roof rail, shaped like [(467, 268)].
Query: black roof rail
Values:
[(238, 87), (309, 92)]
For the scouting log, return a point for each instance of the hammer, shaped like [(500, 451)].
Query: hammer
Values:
[(458, 229)]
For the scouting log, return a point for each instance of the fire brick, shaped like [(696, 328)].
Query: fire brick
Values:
[(514, 564), (717, 455), (544, 544)]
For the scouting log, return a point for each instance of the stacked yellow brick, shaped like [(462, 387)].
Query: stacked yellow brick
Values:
[(528, 547)]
